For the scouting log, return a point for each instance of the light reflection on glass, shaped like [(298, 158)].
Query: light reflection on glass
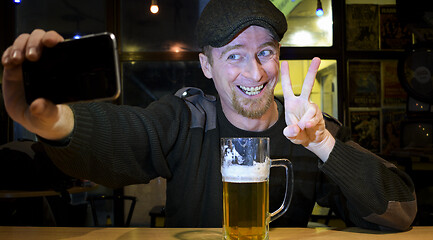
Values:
[(305, 28)]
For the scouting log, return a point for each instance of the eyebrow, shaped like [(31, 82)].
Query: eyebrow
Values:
[(273, 44), (229, 48)]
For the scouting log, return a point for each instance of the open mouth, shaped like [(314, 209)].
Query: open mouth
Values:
[(252, 91)]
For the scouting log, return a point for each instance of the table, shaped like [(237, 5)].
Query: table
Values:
[(69, 233), (45, 193), (33, 208)]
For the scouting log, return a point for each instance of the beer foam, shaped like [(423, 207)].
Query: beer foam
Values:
[(258, 172)]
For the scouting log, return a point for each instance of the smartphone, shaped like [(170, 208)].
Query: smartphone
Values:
[(75, 70)]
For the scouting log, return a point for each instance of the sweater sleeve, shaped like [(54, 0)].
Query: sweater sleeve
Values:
[(117, 145), (374, 193)]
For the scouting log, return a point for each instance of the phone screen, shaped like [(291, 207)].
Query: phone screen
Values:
[(75, 70)]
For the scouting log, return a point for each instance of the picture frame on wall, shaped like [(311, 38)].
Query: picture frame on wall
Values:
[(393, 94), (391, 125), (364, 83), (362, 26), (393, 33), (365, 128)]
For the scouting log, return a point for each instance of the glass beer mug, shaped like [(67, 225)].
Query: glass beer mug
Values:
[(245, 168)]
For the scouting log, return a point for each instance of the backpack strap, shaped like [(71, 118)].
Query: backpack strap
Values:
[(201, 106)]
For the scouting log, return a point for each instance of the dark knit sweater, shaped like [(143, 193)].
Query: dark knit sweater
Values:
[(178, 139)]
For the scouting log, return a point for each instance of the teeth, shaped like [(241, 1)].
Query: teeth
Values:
[(252, 90)]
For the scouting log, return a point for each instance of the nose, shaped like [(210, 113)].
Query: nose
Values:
[(254, 70)]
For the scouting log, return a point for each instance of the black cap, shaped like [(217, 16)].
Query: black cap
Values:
[(222, 20)]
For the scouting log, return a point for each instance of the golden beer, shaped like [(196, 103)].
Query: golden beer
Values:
[(246, 210), (245, 169)]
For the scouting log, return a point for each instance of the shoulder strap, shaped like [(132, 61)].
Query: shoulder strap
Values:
[(336, 128), (201, 106), (332, 124)]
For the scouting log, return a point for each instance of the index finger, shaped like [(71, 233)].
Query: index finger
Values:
[(38, 39), (52, 38), (286, 83), (307, 86), (14, 54)]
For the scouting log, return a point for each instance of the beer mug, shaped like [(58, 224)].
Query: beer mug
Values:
[(245, 168)]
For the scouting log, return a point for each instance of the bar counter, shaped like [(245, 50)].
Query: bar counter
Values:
[(84, 233)]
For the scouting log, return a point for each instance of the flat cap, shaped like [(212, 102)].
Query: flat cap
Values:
[(222, 20)]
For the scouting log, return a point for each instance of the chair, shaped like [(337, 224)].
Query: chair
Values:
[(92, 200), (157, 216)]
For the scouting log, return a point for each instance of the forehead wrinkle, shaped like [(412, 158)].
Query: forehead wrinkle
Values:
[(229, 48), (273, 44)]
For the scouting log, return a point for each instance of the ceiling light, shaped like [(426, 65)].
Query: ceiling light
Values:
[(154, 7), (319, 9)]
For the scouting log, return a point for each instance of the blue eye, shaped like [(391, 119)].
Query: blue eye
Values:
[(234, 57), (265, 53)]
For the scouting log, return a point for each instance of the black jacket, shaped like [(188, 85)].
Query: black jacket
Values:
[(178, 139)]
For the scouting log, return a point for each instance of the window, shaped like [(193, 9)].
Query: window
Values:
[(147, 81), (68, 17), (324, 92), (305, 28), (170, 30)]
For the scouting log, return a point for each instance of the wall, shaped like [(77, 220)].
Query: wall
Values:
[(148, 196)]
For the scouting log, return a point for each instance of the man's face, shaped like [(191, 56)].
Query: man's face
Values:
[(245, 72)]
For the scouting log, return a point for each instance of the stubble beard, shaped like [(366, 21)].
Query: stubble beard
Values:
[(252, 108)]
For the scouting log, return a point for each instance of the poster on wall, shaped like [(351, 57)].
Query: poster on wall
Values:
[(393, 34), (362, 26), (391, 122), (364, 84), (365, 127), (393, 93)]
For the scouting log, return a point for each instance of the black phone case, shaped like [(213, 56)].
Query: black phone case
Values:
[(75, 70)]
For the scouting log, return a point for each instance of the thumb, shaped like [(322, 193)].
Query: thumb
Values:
[(43, 110), (324, 145), (48, 120), (291, 131)]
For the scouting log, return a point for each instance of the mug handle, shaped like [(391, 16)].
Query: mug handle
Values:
[(289, 184)]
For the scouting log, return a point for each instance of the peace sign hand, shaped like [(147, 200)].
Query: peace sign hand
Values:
[(305, 123)]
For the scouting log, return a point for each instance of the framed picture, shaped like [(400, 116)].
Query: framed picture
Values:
[(362, 26), (364, 84), (391, 125), (365, 127), (394, 94), (393, 33)]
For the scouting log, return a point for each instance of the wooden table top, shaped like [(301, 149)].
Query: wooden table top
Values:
[(84, 233)]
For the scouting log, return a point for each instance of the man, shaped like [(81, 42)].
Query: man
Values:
[(178, 137)]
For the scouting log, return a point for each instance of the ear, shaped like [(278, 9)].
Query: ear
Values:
[(205, 65)]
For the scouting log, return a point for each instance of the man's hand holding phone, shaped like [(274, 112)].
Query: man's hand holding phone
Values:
[(40, 116), (75, 70)]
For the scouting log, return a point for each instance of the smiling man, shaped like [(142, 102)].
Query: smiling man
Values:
[(177, 137), (245, 73)]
